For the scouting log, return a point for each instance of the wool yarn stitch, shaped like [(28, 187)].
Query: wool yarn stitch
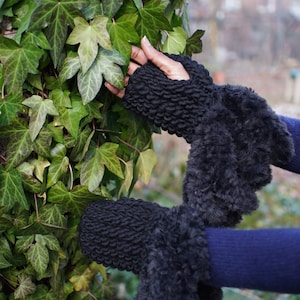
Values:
[(235, 137)]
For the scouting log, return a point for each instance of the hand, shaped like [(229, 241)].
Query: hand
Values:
[(139, 56)]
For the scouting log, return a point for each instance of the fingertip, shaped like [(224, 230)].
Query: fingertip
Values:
[(114, 90), (145, 42), (148, 49)]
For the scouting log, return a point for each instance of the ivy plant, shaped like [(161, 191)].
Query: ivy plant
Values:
[(64, 139)]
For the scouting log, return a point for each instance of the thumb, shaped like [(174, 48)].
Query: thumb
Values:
[(171, 68)]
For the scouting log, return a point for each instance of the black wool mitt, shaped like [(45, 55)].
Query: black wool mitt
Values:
[(235, 137), (166, 247)]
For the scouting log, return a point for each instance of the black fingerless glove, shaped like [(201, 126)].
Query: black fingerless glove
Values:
[(166, 247), (174, 105), (234, 136), (115, 232)]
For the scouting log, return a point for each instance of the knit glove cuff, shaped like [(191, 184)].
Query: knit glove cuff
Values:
[(114, 233), (173, 105), (166, 247)]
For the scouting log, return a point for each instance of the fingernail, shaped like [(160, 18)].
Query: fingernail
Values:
[(146, 42)]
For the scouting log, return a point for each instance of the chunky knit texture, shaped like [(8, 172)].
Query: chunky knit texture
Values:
[(175, 106), (234, 137), (177, 257), (115, 233), (166, 247)]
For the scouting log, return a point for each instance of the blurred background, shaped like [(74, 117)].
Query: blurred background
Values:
[(255, 43)]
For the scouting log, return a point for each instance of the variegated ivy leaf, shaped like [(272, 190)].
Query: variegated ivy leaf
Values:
[(123, 33), (176, 41), (151, 20), (59, 164), (70, 67), (11, 189), (92, 170), (107, 66), (18, 61), (75, 200), (55, 17), (25, 286), (40, 109), (89, 36), (70, 117)]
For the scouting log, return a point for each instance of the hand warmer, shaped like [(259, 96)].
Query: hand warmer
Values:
[(234, 136), (166, 247)]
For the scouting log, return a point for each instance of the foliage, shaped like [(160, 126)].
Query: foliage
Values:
[(64, 140)]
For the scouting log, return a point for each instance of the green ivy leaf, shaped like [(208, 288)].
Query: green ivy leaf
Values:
[(51, 214), (136, 132), (60, 98), (38, 39), (108, 157), (89, 36), (82, 282), (56, 16), (23, 243), (39, 166), (35, 80), (5, 253), (30, 182), (111, 7), (48, 240), (92, 171), (19, 146), (71, 117), (11, 190), (81, 141), (176, 41), (89, 84), (40, 109), (23, 14), (105, 65), (59, 151), (4, 263), (146, 162), (122, 33), (71, 65), (42, 143), (25, 287), (194, 43), (74, 200), (38, 255), (94, 112), (95, 8), (9, 108), (18, 61), (151, 20), (128, 176), (58, 167)]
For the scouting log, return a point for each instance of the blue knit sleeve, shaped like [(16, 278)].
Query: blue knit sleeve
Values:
[(293, 126), (260, 259)]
